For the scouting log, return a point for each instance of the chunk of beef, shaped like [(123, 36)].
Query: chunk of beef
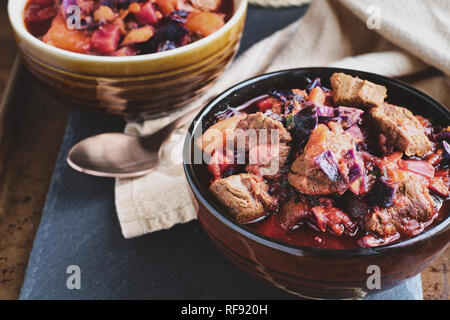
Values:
[(402, 128), (334, 219), (322, 217), (245, 195), (306, 176), (257, 130), (355, 92), (380, 222), (292, 213), (412, 208), (415, 197)]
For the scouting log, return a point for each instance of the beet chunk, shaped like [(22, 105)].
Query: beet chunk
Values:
[(382, 193), (106, 39)]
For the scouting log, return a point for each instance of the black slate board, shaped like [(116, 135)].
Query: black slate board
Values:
[(79, 227)]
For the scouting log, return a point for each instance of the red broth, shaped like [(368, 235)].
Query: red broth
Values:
[(308, 237), (306, 234)]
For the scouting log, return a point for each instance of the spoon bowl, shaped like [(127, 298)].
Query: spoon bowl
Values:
[(114, 155), (120, 155)]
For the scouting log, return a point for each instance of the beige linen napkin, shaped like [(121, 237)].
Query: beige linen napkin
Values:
[(278, 3), (394, 38)]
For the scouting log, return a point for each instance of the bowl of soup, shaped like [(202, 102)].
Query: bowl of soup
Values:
[(134, 58), (327, 183)]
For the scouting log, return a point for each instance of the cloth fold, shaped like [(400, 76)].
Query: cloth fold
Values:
[(278, 3), (401, 38)]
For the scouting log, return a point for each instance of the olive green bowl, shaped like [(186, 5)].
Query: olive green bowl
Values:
[(137, 86)]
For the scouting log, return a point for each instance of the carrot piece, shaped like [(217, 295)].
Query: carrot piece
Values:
[(104, 12), (204, 23), (167, 6), (134, 7), (139, 35), (60, 36), (317, 95), (420, 167)]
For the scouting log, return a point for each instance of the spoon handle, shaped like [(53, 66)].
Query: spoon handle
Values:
[(156, 139)]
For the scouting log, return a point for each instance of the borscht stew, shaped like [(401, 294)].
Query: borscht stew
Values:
[(124, 27), (336, 167)]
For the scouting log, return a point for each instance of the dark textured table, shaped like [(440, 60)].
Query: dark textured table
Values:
[(79, 227)]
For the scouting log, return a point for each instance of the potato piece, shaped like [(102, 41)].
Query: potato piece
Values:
[(216, 136), (204, 23), (206, 5), (60, 36), (104, 12), (139, 35), (317, 95), (167, 6)]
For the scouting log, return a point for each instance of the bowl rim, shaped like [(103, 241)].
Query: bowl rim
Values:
[(19, 27), (285, 246)]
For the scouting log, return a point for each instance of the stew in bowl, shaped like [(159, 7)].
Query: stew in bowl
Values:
[(335, 168)]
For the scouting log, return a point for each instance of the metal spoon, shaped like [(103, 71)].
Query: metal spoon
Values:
[(119, 155)]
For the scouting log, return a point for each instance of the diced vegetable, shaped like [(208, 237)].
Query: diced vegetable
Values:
[(142, 34), (167, 6), (420, 167), (355, 169), (208, 5), (172, 31), (305, 121), (326, 162), (134, 8), (204, 23), (147, 14), (355, 186), (106, 38), (440, 187), (216, 135), (268, 103), (317, 95), (105, 13), (312, 84), (300, 94), (355, 131), (59, 35), (322, 110), (382, 193), (349, 116)]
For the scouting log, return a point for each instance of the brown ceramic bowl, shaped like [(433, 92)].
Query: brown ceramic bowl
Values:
[(305, 271), (137, 86)]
